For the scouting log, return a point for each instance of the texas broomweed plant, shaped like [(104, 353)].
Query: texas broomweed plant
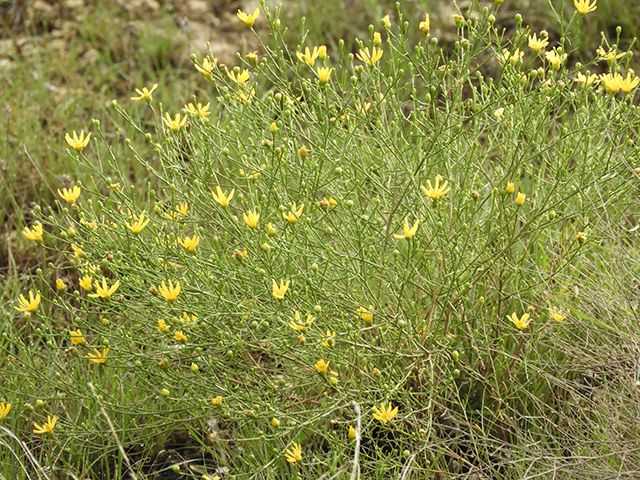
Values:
[(327, 242)]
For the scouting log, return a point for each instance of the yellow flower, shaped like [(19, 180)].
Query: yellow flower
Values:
[(377, 39), (366, 314), (4, 410), (293, 454), (138, 225), (352, 433), (507, 56), (385, 413), (98, 357), (275, 422), (222, 198), (322, 52), (251, 218), (293, 215), (611, 82), (30, 305), (242, 78), (521, 323), (190, 244), (60, 286), (279, 292), (555, 59), (537, 45), (627, 84), (581, 237), (35, 233), (78, 252), (162, 326), (271, 230), (323, 74), (436, 192), (47, 427), (169, 293), (201, 111), (424, 26), (499, 113), (327, 204), (386, 23), (301, 327), (207, 67), (145, 94), (216, 401), (85, 283), (179, 337), (609, 56), (584, 7), (308, 57), (370, 58), (252, 57), (70, 195), (586, 80), (329, 340), (104, 291), (248, 19), (408, 232), (322, 366), (78, 142), (180, 210), (77, 338), (557, 315), (510, 187), (520, 199), (176, 123)]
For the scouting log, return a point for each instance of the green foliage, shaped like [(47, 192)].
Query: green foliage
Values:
[(409, 210)]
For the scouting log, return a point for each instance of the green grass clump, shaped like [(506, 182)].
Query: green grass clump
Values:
[(378, 265)]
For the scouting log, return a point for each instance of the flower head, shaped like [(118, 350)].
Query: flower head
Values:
[(508, 57), (207, 67), (386, 22), (520, 199), (294, 214), (424, 26), (293, 454), (408, 232), (352, 433), (366, 314), (323, 74), (104, 291), (162, 326), (583, 6), (611, 82), (322, 366), (377, 39), (78, 142), (77, 338), (328, 203), (557, 315), (138, 225), (35, 233), (329, 340), (609, 56), (30, 305), (47, 427), (297, 325), (60, 285), (98, 357), (308, 57), (370, 58), (145, 94), (248, 19), (434, 193), (70, 195), (216, 401), (629, 83), (169, 293), (201, 111), (179, 337), (522, 322), (251, 218), (176, 123), (271, 230), (190, 244), (222, 198), (85, 283), (585, 80), (279, 292), (4, 410), (555, 59), (242, 78), (385, 414), (536, 44)]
